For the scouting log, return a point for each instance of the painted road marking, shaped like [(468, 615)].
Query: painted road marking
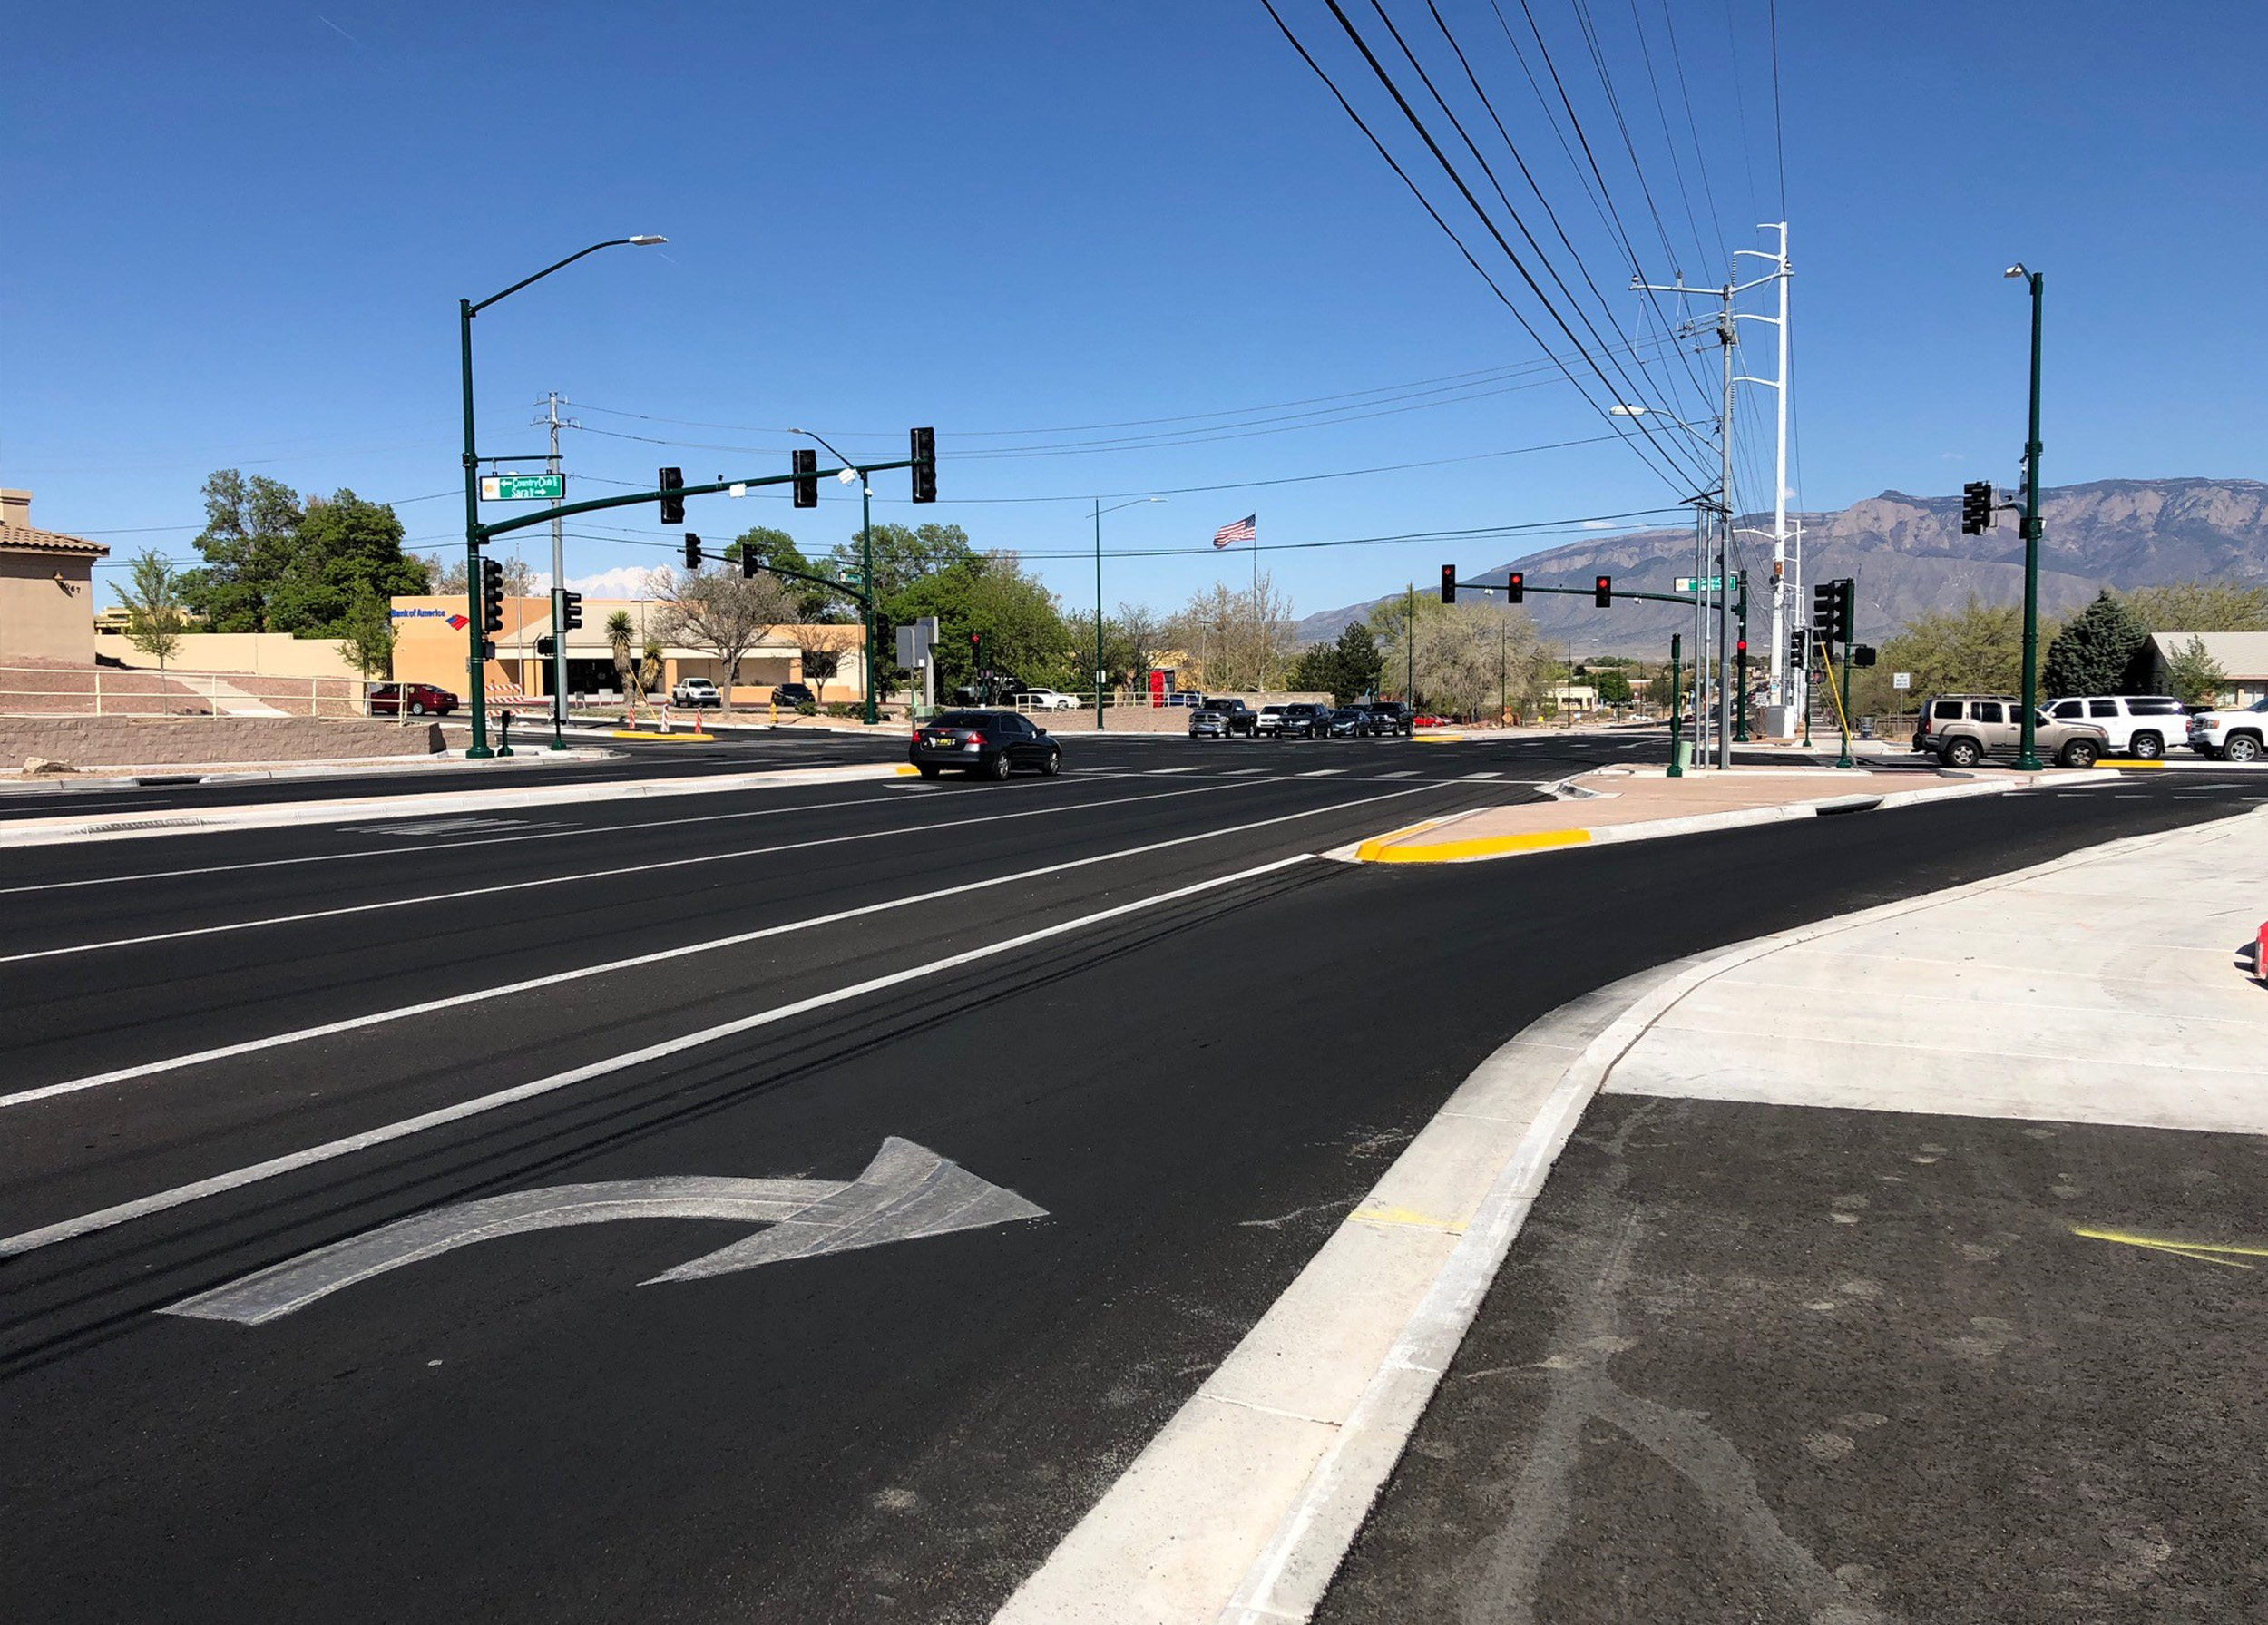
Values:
[(1243, 772), (248, 1046), (1472, 778), (104, 1218), (1319, 773), (2201, 1252), (585, 875), (447, 827), (905, 1193), (1404, 773), (1152, 772)]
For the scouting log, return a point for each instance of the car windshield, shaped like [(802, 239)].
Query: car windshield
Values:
[(977, 720)]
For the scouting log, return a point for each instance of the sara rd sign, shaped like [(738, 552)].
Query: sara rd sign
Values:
[(1703, 584), (523, 487)]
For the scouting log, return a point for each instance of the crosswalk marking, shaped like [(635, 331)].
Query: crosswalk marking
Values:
[(1155, 771), (1319, 773), (1470, 776), (1406, 773), (1243, 772)]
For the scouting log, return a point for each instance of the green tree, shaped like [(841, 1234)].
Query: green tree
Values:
[(993, 595), (248, 543), (1613, 684), (2195, 676), (345, 549), (1315, 670), (155, 618), (2097, 650), (813, 604), (1360, 664), (622, 634), (722, 611), (1977, 648), (367, 636), (903, 555), (2201, 607)]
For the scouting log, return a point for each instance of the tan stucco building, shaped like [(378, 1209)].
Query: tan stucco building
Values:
[(46, 589)]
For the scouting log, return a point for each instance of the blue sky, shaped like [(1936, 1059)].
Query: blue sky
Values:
[(237, 237)]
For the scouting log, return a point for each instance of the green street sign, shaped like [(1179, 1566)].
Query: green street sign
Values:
[(523, 487), (1703, 584)]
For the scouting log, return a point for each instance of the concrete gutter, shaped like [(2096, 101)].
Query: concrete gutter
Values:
[(49, 832)]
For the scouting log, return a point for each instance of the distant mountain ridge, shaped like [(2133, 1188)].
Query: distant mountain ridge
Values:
[(1908, 556)]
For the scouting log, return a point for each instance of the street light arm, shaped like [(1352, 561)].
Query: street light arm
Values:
[(838, 456), (612, 242)]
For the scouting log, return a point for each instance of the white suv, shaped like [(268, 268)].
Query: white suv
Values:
[(2232, 736), (2141, 725)]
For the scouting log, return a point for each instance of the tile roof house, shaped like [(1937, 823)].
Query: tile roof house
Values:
[(46, 589)]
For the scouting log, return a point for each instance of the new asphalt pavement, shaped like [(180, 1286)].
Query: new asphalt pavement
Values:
[(1134, 996)]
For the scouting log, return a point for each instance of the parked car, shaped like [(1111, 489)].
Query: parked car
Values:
[(1303, 720), (793, 694), (1205, 722), (1241, 716), (423, 700), (1044, 699), (1434, 722), (1393, 716), (983, 744), (1962, 730), (694, 691), (2142, 726), (1268, 720), (1350, 722), (2232, 735)]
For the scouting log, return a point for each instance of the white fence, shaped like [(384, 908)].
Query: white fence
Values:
[(34, 691)]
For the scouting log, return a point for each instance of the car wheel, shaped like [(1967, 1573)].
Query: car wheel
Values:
[(2078, 753), (997, 768), (1960, 753), (416, 707), (2145, 747), (927, 771), (2241, 747), (1053, 764)]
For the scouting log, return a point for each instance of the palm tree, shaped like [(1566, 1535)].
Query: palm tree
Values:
[(620, 632)]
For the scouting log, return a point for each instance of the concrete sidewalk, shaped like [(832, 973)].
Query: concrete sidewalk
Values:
[(1634, 803)]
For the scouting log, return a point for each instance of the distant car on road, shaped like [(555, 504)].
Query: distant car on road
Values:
[(1962, 730), (1268, 721), (1303, 720), (983, 744), (2231, 735), (423, 699), (1350, 722), (1205, 722), (2142, 726), (1241, 716), (695, 691), (1389, 716), (1434, 722), (793, 694)]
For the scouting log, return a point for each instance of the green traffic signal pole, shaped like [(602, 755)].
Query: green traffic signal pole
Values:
[(1740, 699), (2027, 755), (1675, 707), (474, 532)]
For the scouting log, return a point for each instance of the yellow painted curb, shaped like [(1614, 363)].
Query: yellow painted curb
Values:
[(907, 769), (639, 733), (2120, 761), (1485, 846), (1439, 738)]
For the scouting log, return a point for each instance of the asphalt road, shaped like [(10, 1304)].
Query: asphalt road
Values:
[(1130, 995)]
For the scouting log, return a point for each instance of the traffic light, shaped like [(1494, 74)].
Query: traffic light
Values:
[(1602, 590), (751, 561), (1823, 611), (1516, 587), (492, 595), (805, 463), (1449, 584), (976, 652), (1799, 649), (924, 464), (1863, 654), (1846, 618), (571, 604), (692, 551), (1976, 508), (1740, 650), (670, 481), (546, 647)]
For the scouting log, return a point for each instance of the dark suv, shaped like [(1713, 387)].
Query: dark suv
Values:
[(1390, 717), (1304, 720), (793, 693)]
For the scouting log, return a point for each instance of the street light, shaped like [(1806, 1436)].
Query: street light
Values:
[(1099, 511), (2026, 758), (467, 310), (849, 473)]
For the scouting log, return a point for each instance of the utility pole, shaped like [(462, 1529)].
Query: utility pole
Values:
[(1718, 581), (558, 581), (1409, 659), (1787, 684), (2027, 755)]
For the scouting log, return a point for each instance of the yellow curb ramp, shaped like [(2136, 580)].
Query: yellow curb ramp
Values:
[(641, 733), (1381, 851), (2121, 761)]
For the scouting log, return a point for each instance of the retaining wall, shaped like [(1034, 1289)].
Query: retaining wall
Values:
[(146, 741)]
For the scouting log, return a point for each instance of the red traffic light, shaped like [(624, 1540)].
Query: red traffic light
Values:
[(1741, 648), (1449, 584), (1516, 587), (1602, 590)]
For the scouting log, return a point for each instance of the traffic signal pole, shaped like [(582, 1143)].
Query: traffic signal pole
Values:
[(2027, 755), (1675, 708), (1740, 707), (475, 669)]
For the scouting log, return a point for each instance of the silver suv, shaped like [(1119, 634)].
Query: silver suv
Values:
[(1962, 730), (2142, 726)]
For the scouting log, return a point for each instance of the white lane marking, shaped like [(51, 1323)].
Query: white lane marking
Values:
[(583, 875), (1471, 778), (1153, 772), (104, 1218), (351, 1023), (1243, 772), (1404, 773), (445, 826), (1320, 773)]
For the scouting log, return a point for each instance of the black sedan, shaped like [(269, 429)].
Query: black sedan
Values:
[(983, 744), (1302, 720), (1350, 722)]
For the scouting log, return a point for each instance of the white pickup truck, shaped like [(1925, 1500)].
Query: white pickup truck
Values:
[(695, 690), (2233, 735)]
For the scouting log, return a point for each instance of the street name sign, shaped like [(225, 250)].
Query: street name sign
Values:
[(1703, 584), (523, 487)]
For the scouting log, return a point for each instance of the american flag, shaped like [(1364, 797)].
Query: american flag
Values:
[(1246, 529)]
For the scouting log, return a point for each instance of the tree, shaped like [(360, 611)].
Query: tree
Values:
[(367, 636), (2201, 607), (993, 595), (1613, 684), (1359, 662), (1317, 669), (447, 580), (2098, 650), (903, 554), (345, 549), (1240, 641), (1977, 648), (622, 633), (776, 547), (249, 534), (650, 665), (1468, 656), (1139, 635), (155, 618), (2195, 676), (720, 610)]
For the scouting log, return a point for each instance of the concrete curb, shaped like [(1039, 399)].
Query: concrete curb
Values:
[(1379, 848), (347, 767), (50, 832), (1241, 1509)]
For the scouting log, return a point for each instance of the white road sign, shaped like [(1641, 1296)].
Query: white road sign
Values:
[(1901, 679)]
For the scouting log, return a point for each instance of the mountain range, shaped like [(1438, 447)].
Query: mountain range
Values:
[(1908, 556)]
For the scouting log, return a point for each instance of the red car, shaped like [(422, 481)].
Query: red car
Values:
[(423, 700), (1434, 722)]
